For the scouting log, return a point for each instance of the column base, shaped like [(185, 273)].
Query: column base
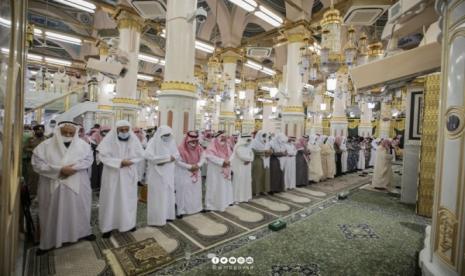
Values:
[(365, 130), (428, 266), (292, 123), (177, 112), (384, 129), (316, 129), (126, 109), (339, 126), (227, 122), (248, 126)]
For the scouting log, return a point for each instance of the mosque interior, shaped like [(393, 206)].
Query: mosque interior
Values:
[(370, 69)]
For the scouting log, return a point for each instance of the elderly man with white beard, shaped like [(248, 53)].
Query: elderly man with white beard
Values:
[(119, 151), (161, 154), (64, 192)]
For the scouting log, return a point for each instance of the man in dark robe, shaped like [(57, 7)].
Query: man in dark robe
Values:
[(31, 177)]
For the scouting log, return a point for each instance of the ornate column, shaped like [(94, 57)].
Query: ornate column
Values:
[(317, 126), (365, 129), (339, 123), (125, 103), (227, 114), (178, 92), (101, 90), (268, 124), (292, 116), (445, 239), (385, 120), (248, 123)]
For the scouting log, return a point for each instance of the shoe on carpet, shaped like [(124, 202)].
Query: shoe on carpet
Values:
[(41, 252), (179, 216), (106, 235), (133, 229)]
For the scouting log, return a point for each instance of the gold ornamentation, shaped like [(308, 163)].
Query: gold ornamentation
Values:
[(178, 85), (375, 49), (29, 34), (447, 235), (331, 16), (293, 108), (125, 101), (127, 19), (105, 107), (227, 114), (296, 37), (250, 85), (230, 59)]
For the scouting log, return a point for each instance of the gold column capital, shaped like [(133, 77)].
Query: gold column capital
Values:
[(127, 19), (250, 85), (178, 85)]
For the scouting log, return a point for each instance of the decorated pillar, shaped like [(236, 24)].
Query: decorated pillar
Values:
[(268, 124), (248, 123), (178, 95), (385, 120), (444, 252), (317, 109), (102, 90), (339, 123), (125, 103), (292, 115), (365, 128), (227, 114)]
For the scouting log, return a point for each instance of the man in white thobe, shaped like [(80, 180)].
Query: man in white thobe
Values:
[(219, 192), (119, 151), (188, 177), (290, 168), (161, 154), (241, 165), (64, 192)]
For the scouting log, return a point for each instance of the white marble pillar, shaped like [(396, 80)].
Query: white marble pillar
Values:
[(248, 123), (445, 239), (292, 115), (317, 125), (126, 103), (365, 129), (178, 91), (385, 120), (227, 113), (268, 124), (339, 124)]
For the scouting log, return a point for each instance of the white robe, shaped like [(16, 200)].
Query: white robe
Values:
[(219, 191), (188, 192), (118, 192), (382, 175), (160, 178), (344, 157), (361, 157), (242, 173), (290, 167), (64, 204), (374, 147), (315, 170)]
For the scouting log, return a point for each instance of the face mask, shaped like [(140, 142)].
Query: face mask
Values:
[(67, 139), (165, 138), (123, 135), (222, 142)]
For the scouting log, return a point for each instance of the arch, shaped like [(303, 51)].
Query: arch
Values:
[(223, 19)]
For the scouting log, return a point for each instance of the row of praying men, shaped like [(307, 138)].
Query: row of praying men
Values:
[(234, 172)]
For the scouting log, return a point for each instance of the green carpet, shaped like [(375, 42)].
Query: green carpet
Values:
[(370, 233)]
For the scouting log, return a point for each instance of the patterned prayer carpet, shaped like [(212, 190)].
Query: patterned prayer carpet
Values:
[(186, 242)]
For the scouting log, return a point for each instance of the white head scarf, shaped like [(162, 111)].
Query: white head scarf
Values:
[(312, 139), (59, 155), (157, 146), (111, 146), (259, 145), (278, 143)]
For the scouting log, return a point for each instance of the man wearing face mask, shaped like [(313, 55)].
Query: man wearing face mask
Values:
[(188, 177), (261, 163), (241, 165), (119, 152), (219, 193), (161, 154), (64, 192), (31, 177)]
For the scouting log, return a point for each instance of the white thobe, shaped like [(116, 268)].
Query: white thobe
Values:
[(361, 158), (290, 167), (160, 182), (315, 170), (64, 215), (242, 174), (219, 191), (374, 146), (118, 193), (188, 188), (382, 174)]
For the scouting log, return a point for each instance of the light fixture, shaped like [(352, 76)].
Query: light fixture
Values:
[(63, 38), (58, 61), (371, 105), (260, 117), (256, 110), (34, 57), (253, 65), (163, 33), (148, 58), (331, 83), (144, 77), (204, 47), (242, 95), (79, 4), (109, 88), (218, 98), (273, 92), (273, 109), (237, 81), (268, 16), (248, 5), (268, 71), (323, 106), (5, 22), (33, 72)]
